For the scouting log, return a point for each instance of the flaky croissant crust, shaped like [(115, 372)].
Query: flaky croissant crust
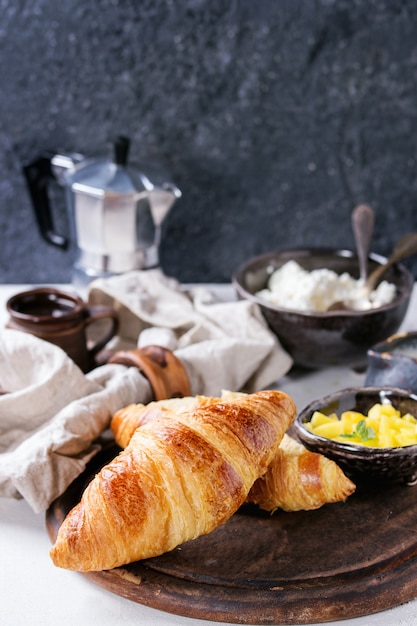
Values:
[(300, 480), (181, 475), (296, 479)]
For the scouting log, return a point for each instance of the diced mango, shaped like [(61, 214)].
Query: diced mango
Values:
[(373, 422), (383, 409), (319, 418), (382, 427), (330, 430), (385, 431), (409, 418), (350, 419)]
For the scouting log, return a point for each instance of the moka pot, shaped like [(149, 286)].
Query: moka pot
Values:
[(116, 212)]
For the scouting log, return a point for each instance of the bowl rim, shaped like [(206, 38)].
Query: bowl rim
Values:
[(360, 451), (340, 252), (381, 349)]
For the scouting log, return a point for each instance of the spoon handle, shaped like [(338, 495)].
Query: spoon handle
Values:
[(405, 247), (363, 220)]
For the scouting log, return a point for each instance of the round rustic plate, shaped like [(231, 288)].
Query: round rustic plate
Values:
[(342, 561)]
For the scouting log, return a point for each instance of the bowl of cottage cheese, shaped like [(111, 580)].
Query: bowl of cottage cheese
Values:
[(300, 291)]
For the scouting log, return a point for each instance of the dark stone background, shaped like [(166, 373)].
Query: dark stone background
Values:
[(273, 117)]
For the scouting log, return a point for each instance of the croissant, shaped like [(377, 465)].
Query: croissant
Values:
[(298, 479), (295, 480), (124, 423), (181, 476)]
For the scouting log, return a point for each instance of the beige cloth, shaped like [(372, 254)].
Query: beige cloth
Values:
[(51, 414), (223, 345)]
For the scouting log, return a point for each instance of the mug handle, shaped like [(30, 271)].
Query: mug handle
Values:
[(96, 313)]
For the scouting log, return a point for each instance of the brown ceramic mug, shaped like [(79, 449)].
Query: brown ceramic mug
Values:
[(62, 319)]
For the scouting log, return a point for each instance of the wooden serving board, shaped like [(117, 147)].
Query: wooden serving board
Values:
[(342, 561)]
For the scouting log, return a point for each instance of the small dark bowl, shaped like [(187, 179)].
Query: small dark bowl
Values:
[(333, 337), (361, 462), (394, 362)]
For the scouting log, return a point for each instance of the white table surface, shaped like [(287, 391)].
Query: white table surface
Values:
[(35, 593)]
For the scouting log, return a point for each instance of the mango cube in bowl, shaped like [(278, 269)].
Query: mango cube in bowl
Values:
[(370, 432)]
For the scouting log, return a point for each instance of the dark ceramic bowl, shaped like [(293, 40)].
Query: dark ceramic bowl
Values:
[(394, 362), (333, 337), (361, 462)]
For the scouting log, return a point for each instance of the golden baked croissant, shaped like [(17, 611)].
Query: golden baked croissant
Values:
[(126, 420), (181, 476), (295, 480), (298, 479), (124, 423)]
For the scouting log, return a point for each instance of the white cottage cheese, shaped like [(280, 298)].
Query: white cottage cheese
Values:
[(293, 287)]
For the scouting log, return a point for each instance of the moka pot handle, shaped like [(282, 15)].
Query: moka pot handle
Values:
[(38, 175)]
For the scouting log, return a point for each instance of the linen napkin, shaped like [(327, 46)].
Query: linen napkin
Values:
[(51, 414), (223, 345)]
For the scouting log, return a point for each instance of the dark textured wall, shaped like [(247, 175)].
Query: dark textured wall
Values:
[(274, 117)]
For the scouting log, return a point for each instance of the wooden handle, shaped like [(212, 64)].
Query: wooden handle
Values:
[(164, 371), (405, 247)]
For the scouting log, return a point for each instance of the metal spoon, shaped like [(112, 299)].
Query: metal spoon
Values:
[(405, 247), (363, 221)]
